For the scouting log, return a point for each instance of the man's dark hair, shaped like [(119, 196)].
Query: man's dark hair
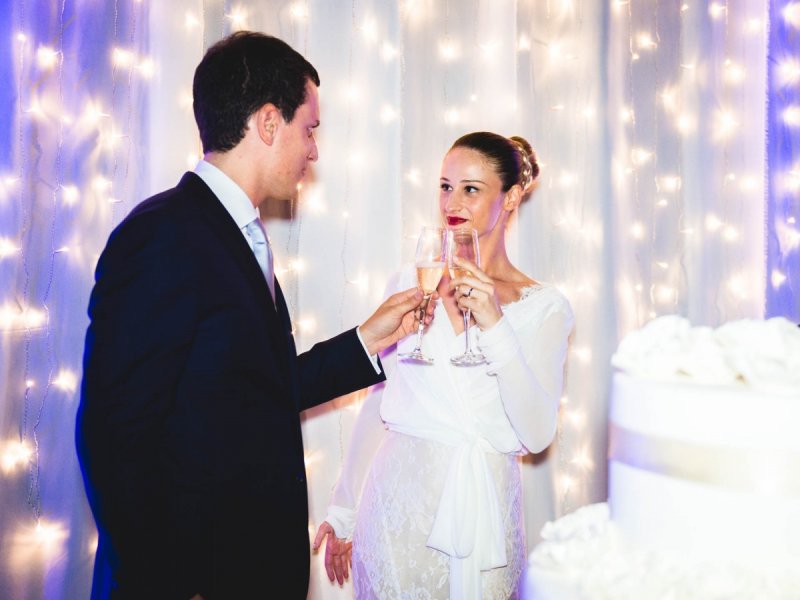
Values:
[(240, 74)]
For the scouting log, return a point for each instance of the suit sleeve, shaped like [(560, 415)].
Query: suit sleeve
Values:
[(333, 368), (141, 314)]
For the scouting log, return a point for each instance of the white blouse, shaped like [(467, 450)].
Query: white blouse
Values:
[(508, 405)]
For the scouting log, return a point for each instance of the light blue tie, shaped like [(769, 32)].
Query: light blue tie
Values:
[(263, 252)]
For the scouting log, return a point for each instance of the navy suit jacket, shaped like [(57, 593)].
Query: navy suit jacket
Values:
[(188, 429)]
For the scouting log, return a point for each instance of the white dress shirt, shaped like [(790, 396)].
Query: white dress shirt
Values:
[(241, 209), (232, 197)]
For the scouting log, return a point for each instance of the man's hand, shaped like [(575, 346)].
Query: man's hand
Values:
[(338, 553), (395, 319)]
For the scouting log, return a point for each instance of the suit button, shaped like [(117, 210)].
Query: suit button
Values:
[(300, 478)]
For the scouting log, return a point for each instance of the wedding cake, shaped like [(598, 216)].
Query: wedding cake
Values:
[(704, 473)]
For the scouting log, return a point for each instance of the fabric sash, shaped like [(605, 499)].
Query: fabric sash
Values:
[(469, 523)]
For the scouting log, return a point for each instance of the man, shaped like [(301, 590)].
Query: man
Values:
[(188, 429)]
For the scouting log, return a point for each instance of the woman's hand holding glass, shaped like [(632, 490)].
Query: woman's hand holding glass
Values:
[(463, 244), (475, 292)]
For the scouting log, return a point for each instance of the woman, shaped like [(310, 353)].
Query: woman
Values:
[(430, 489)]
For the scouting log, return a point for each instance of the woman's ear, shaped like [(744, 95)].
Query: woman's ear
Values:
[(513, 198)]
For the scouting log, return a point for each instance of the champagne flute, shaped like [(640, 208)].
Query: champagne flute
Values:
[(463, 243), (429, 260)]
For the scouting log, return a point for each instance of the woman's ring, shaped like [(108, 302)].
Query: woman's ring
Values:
[(468, 294)]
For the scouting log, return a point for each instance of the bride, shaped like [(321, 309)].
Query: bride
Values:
[(429, 500)]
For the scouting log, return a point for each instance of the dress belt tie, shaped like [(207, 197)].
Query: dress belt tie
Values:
[(469, 525)]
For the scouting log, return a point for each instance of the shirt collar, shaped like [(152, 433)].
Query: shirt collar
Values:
[(232, 197)]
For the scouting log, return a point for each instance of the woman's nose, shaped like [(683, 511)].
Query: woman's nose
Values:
[(452, 202)]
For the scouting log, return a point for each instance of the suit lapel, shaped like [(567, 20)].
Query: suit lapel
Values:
[(223, 225)]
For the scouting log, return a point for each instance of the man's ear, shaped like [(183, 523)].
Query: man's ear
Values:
[(267, 120), (513, 198)]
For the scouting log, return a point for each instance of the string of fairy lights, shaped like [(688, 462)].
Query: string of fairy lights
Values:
[(657, 111), (737, 184), (55, 60), (656, 228), (30, 318), (561, 43)]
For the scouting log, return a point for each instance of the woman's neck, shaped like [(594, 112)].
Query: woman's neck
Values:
[(494, 259)]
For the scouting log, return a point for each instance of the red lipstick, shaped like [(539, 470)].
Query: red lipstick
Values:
[(453, 221)]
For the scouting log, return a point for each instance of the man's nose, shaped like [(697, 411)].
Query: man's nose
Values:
[(314, 154)]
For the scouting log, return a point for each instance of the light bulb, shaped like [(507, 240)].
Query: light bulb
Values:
[(734, 73), (791, 14), (448, 50), (7, 248), (388, 113), (122, 58), (645, 41), (369, 30), (777, 278), (789, 72), (46, 57), (716, 10), (191, 21), (388, 51), (791, 115), (298, 10), (66, 380)]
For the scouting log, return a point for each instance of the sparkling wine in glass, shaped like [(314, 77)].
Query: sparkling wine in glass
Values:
[(430, 260), (463, 243)]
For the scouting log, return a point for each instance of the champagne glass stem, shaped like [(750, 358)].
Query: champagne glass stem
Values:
[(422, 308), (467, 313)]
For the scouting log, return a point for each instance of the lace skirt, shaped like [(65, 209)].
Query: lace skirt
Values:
[(390, 558)]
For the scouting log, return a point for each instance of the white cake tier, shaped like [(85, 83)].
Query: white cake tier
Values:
[(584, 556), (700, 470), (704, 473)]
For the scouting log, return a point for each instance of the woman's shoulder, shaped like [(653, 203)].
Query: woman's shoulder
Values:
[(540, 298)]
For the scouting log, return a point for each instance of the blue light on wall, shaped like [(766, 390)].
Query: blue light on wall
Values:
[(783, 160), (6, 91)]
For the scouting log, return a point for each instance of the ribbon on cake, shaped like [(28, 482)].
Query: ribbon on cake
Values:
[(768, 470)]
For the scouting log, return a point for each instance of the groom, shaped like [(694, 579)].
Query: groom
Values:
[(188, 429)]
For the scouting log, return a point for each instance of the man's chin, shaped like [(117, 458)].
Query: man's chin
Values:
[(294, 193), (283, 196)]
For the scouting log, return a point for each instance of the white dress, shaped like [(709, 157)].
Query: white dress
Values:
[(430, 489)]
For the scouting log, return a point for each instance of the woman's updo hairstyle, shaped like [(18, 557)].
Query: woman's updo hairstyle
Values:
[(512, 158)]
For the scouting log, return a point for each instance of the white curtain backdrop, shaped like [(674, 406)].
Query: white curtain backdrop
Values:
[(648, 117)]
